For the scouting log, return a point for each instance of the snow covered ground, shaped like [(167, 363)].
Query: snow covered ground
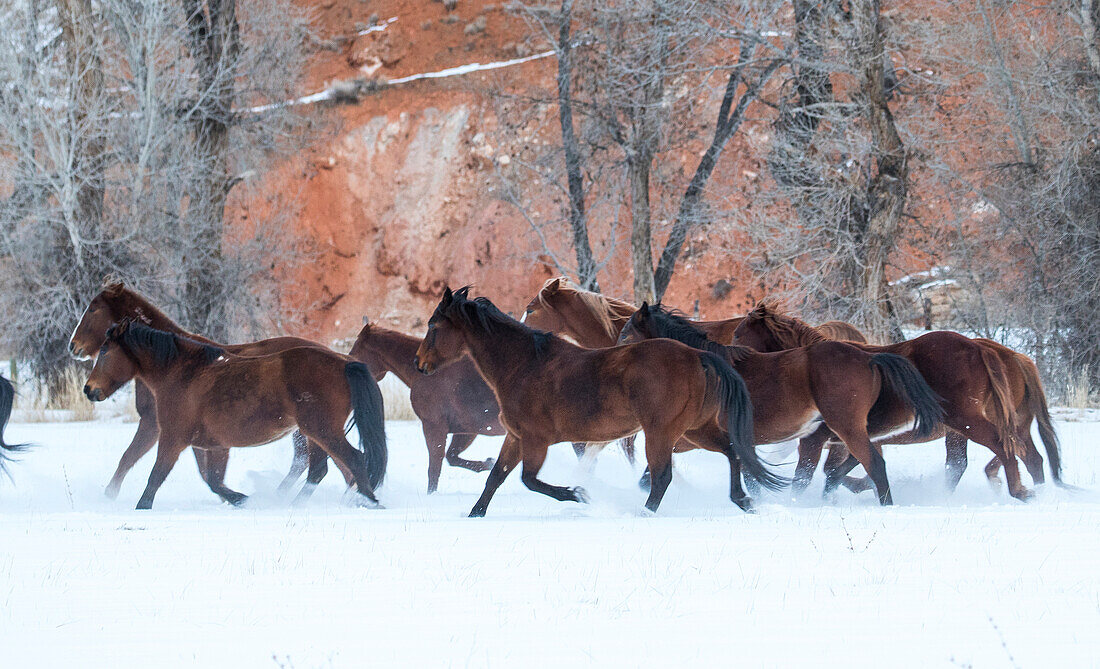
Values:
[(975, 579)]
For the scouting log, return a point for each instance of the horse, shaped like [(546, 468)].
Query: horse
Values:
[(829, 382), (594, 320), (7, 400), (455, 401), (213, 400), (973, 378), (116, 302), (551, 390)]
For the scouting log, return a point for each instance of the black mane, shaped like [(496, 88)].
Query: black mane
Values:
[(163, 346), (482, 315), (672, 324)]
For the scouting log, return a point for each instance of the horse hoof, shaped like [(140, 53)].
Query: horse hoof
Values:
[(580, 495), (110, 492), (745, 504), (236, 500), (477, 513), (144, 506), (1025, 495)]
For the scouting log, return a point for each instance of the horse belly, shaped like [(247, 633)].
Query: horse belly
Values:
[(795, 427), (251, 425)]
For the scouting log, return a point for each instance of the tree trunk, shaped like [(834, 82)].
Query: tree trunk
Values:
[(214, 44), (887, 190), (641, 251), (578, 223), (82, 206)]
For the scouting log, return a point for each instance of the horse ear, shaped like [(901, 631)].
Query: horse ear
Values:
[(759, 311), (448, 296), (553, 286), (112, 288), (644, 309), (463, 293)]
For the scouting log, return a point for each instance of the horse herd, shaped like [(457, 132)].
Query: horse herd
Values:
[(582, 368)]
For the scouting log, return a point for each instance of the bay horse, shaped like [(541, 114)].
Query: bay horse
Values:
[(828, 382), (551, 390), (213, 400), (594, 320), (7, 400), (973, 378), (454, 401), (116, 302)]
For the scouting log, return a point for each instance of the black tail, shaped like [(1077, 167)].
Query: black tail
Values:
[(904, 379), (368, 414), (7, 399), (735, 400)]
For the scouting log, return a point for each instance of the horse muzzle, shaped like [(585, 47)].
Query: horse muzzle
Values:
[(93, 394), (423, 367)]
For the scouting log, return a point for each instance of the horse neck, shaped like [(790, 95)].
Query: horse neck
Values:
[(136, 306), (501, 354), (397, 351), (795, 333), (589, 331)]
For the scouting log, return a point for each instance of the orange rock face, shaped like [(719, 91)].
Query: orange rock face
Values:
[(402, 198)]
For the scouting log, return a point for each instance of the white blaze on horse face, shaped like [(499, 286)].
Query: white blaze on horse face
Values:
[(85, 356), (523, 317)]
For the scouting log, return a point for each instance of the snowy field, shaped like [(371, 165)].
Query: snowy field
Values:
[(975, 579)]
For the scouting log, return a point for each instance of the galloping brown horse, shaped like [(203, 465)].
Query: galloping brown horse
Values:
[(454, 401), (551, 391), (117, 302), (212, 400), (972, 378), (7, 399), (828, 382), (595, 321)]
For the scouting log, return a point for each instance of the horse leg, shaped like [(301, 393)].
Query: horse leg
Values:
[(809, 454), (956, 458), (507, 460), (838, 454), (143, 441), (862, 450), (1033, 459), (318, 467), (658, 453), (716, 440), (459, 444), (627, 444), (213, 472), (435, 437), (167, 454), (978, 429), (834, 475), (992, 473), (533, 457), (298, 465), (348, 458)]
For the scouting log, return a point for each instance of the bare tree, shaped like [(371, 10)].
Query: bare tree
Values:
[(839, 159), (637, 77), (124, 126)]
